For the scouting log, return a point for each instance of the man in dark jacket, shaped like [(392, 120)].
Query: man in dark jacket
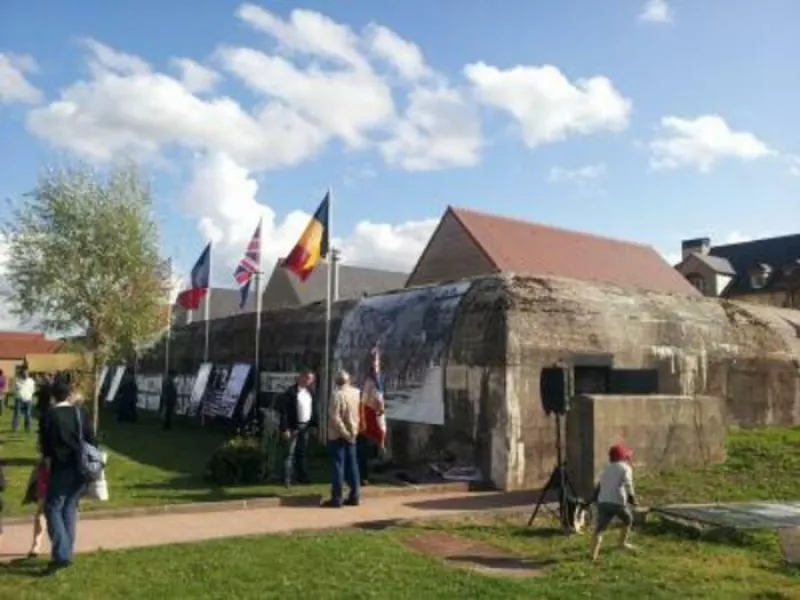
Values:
[(298, 421), (169, 399)]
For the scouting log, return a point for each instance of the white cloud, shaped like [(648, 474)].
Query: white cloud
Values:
[(307, 32), (14, 86), (793, 164), (222, 197), (548, 106), (578, 176), (440, 129), (196, 77), (656, 11), (403, 55), (701, 143), (126, 109), (343, 103), (392, 247), (104, 59)]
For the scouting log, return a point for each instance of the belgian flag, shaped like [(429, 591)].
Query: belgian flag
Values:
[(312, 246)]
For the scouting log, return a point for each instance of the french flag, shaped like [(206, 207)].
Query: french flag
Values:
[(199, 284)]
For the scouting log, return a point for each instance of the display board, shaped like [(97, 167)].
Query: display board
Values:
[(199, 385), (101, 379), (112, 391), (412, 329), (233, 390), (149, 392), (277, 383)]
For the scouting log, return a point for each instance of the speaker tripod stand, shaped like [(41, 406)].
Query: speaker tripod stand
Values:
[(560, 482)]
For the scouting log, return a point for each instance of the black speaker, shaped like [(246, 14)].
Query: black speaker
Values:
[(554, 390)]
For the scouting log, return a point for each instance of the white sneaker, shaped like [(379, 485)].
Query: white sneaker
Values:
[(629, 547)]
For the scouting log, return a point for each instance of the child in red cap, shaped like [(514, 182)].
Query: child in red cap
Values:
[(615, 494)]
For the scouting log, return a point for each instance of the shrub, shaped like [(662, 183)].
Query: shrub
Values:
[(239, 461)]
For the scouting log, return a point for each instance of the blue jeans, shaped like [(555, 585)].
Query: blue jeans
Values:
[(295, 457), (61, 509), (26, 410), (345, 468)]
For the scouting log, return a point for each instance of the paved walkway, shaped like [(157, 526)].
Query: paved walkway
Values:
[(155, 530)]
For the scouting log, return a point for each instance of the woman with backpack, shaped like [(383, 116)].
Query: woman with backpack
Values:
[(67, 429)]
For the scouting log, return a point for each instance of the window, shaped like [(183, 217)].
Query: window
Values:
[(697, 281)]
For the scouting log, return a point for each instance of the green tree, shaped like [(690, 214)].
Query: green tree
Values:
[(84, 258)]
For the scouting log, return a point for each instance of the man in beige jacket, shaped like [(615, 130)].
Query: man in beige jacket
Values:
[(343, 426)]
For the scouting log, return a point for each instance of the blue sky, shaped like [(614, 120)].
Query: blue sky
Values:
[(576, 113)]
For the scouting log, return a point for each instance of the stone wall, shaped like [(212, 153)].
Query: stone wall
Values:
[(664, 432), (749, 356)]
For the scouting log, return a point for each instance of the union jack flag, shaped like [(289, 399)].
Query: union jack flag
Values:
[(248, 266)]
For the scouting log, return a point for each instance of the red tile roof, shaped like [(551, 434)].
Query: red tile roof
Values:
[(14, 345), (525, 248)]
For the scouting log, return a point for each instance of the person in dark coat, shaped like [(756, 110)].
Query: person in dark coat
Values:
[(169, 399), (297, 423), (67, 423), (128, 396)]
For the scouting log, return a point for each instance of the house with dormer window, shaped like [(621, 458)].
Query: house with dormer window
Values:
[(765, 271)]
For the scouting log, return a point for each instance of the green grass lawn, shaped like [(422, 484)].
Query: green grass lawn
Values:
[(360, 564), (148, 466), (670, 563)]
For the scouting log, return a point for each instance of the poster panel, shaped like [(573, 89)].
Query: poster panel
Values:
[(149, 392), (233, 390), (101, 379), (114, 388), (277, 383), (198, 388), (184, 385), (412, 329)]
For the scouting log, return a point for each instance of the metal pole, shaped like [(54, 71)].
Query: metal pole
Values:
[(207, 311), (326, 382), (257, 358)]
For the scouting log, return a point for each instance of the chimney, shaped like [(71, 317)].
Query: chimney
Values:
[(695, 246)]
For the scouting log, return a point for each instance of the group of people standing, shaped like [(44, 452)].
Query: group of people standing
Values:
[(356, 430), (56, 483)]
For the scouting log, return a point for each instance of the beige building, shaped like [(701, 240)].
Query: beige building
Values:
[(765, 271)]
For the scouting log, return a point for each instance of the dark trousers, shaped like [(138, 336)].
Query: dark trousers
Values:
[(295, 457), (22, 410), (345, 468), (367, 448), (61, 510), (168, 413)]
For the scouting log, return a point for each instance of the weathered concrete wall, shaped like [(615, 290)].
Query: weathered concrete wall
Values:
[(750, 356), (507, 329), (665, 432)]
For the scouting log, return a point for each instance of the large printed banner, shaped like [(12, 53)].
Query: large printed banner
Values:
[(412, 330)]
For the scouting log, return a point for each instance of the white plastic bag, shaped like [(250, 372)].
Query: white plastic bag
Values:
[(98, 489)]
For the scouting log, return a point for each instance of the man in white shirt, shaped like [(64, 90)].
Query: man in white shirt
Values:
[(615, 494), (24, 390), (298, 421)]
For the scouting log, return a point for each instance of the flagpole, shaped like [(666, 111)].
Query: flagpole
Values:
[(207, 309), (326, 383), (257, 358), (169, 332)]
